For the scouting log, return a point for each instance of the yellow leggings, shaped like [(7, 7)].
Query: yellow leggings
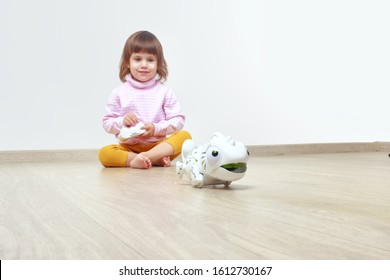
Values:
[(116, 155)]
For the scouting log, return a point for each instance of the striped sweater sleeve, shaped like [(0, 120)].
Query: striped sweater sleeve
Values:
[(174, 118), (112, 120)]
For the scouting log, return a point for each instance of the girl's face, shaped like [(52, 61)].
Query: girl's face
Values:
[(143, 66)]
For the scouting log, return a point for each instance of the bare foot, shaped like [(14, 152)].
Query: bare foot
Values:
[(141, 162), (165, 161)]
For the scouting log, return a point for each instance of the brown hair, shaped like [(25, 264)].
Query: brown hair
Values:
[(143, 41)]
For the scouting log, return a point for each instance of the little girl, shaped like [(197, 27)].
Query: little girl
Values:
[(143, 97)]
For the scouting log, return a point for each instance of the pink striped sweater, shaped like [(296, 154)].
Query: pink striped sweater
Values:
[(152, 102)]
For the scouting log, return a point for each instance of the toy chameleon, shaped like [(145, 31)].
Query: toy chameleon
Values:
[(220, 161)]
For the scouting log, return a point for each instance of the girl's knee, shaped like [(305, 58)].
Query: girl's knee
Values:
[(108, 156), (177, 141), (183, 135), (104, 155)]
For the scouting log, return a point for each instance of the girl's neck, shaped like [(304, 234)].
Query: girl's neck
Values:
[(140, 85)]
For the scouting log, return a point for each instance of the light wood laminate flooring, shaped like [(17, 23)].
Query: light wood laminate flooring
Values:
[(316, 206)]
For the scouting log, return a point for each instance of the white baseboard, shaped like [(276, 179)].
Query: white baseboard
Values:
[(318, 148), (255, 150), (36, 155)]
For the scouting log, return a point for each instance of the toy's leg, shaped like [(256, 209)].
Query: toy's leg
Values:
[(197, 179), (180, 168), (227, 183)]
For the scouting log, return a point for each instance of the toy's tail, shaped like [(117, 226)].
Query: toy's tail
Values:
[(187, 148)]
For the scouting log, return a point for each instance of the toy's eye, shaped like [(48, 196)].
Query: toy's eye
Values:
[(213, 155)]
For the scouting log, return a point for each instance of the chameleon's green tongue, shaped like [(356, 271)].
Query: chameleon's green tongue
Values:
[(235, 167)]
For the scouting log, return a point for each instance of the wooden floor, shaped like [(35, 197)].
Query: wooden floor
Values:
[(319, 206)]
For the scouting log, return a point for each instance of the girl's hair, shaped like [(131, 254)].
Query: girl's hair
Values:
[(143, 41)]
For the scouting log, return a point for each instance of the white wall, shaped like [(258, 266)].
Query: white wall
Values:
[(265, 72)]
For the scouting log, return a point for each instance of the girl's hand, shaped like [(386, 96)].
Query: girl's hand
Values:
[(130, 119), (149, 127)]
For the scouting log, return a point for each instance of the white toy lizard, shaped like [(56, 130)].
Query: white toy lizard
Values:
[(220, 161)]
